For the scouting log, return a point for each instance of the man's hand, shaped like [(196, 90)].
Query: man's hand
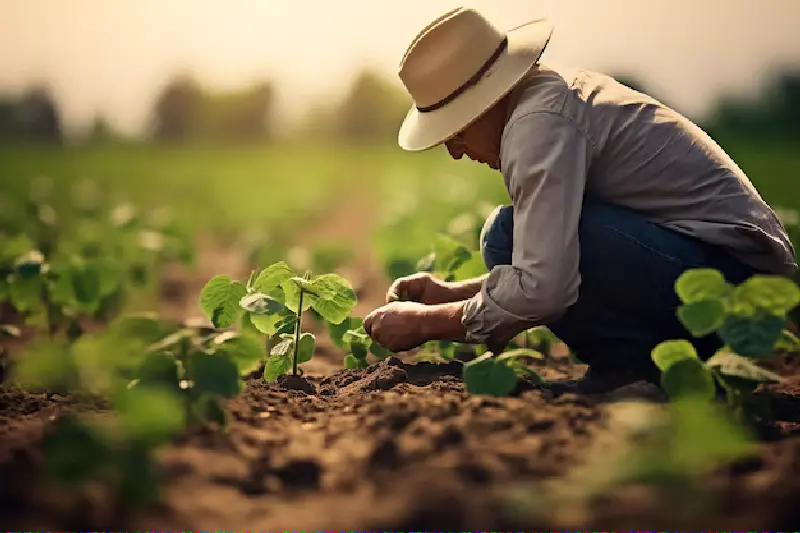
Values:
[(397, 326), (430, 290), (401, 326)]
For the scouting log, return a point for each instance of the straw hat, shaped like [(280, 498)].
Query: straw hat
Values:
[(458, 67)]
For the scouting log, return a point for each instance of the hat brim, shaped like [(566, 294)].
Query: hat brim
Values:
[(526, 43)]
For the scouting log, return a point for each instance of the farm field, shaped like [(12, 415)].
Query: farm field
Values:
[(100, 430)]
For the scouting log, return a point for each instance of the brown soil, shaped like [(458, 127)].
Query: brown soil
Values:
[(395, 447)]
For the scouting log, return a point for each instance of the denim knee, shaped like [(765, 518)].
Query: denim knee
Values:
[(497, 237)]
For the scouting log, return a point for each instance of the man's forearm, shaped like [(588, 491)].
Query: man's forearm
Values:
[(464, 290), (442, 322)]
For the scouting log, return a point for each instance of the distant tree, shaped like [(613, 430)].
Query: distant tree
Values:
[(9, 125), (372, 110), (786, 103), (776, 113), (176, 112), (186, 112), (38, 116), (101, 131)]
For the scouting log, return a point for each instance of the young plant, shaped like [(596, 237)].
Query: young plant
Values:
[(273, 302), (351, 336), (157, 376), (749, 318), (497, 373)]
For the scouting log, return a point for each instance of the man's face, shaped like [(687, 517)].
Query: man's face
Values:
[(481, 140)]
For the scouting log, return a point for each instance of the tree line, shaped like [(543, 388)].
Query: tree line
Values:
[(369, 112)]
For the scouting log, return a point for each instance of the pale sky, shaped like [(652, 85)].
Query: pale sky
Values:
[(112, 56)]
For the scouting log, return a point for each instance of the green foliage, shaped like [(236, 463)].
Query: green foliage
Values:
[(219, 300), (272, 302), (64, 262), (488, 375), (157, 376), (749, 318)]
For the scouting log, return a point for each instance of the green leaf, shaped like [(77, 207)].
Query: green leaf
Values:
[(775, 294), (704, 436), (672, 352), (305, 348), (788, 341), (86, 284), (214, 374), (271, 279), (688, 377), (337, 331), (486, 375), (350, 362), (158, 369), (702, 317), (379, 351), (209, 409), (730, 364), (285, 347), (26, 294), (150, 415), (359, 350), (449, 254), (74, 452), (139, 481), (219, 300), (266, 324), (144, 328), (287, 324), (291, 291), (260, 304), (279, 362), (699, 284), (358, 335), (245, 352), (518, 353), (471, 269), (13, 248), (47, 365), (330, 295), (752, 336)]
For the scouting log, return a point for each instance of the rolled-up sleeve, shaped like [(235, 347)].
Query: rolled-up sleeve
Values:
[(545, 161)]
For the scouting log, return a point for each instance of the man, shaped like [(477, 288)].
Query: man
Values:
[(614, 196)]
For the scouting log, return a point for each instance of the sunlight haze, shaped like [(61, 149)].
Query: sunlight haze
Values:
[(113, 56)]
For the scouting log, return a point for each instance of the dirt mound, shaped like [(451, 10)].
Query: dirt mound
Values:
[(392, 447)]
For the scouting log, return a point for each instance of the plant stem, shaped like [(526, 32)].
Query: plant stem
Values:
[(297, 332)]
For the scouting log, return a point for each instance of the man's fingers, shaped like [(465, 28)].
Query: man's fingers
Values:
[(367, 323)]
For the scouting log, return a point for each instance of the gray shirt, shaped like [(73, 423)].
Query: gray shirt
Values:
[(571, 132)]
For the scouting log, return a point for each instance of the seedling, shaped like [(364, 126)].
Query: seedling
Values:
[(157, 376), (273, 302), (497, 373), (350, 335), (749, 318)]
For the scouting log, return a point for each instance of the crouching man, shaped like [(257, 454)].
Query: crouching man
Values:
[(614, 195)]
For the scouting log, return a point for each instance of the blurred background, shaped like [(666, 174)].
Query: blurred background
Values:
[(265, 124)]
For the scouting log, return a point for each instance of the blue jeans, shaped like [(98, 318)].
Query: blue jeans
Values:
[(627, 300)]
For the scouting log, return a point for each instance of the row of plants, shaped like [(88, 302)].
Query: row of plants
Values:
[(65, 263)]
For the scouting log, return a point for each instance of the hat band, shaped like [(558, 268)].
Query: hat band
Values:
[(470, 82)]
